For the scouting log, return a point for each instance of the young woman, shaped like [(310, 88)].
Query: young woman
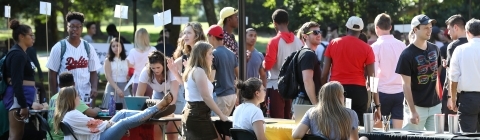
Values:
[(248, 115), (116, 72), (198, 94), (138, 58), (161, 81), (86, 128), (19, 73), (330, 117)]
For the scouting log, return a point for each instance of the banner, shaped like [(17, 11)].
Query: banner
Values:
[(102, 52)]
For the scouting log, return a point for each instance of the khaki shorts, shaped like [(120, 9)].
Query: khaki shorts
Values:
[(226, 103)]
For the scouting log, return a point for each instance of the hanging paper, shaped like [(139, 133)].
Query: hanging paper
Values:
[(121, 11), (45, 8)]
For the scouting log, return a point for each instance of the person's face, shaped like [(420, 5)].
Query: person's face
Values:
[(75, 28), (209, 57), (28, 38), (233, 20), (423, 32), (211, 39), (261, 94), (452, 32), (189, 36), (93, 29), (116, 48), (313, 36), (251, 38), (157, 68)]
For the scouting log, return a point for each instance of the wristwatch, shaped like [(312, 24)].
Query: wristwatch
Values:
[(377, 106), (448, 96)]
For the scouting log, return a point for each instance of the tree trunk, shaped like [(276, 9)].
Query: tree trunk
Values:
[(174, 6), (66, 5), (209, 7)]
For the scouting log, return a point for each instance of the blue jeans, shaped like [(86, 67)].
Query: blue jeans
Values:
[(180, 104), (125, 120), (215, 100)]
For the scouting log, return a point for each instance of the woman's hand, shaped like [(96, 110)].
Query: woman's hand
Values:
[(171, 65), (223, 118), (119, 92)]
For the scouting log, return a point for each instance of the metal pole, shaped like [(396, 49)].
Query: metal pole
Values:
[(134, 18), (470, 10), (241, 40)]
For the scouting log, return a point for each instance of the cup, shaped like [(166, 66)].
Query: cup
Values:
[(386, 126), (368, 122), (453, 123), (439, 120)]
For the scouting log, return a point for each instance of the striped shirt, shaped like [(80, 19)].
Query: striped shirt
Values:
[(387, 51), (76, 61)]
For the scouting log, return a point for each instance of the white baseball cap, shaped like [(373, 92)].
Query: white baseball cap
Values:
[(354, 20), (421, 20)]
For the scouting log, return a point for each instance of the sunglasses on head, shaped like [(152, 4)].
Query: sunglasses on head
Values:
[(315, 32)]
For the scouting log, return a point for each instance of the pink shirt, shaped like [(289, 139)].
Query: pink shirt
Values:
[(387, 50)]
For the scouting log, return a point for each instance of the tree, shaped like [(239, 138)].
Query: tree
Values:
[(175, 7), (209, 7)]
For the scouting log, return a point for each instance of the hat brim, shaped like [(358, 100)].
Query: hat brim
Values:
[(433, 21), (220, 22)]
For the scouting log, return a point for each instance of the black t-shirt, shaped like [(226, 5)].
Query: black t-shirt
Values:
[(443, 53), (449, 51), (421, 66), (19, 67), (307, 60)]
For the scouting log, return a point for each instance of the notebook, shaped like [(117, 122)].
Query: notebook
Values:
[(299, 111), (135, 103)]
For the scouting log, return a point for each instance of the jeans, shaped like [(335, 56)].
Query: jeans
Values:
[(125, 120), (214, 96), (180, 104)]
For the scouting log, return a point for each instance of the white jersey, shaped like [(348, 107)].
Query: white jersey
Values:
[(76, 61)]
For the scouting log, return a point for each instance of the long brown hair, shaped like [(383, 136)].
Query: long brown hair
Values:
[(330, 113), (64, 103), (153, 58), (183, 48), (198, 59)]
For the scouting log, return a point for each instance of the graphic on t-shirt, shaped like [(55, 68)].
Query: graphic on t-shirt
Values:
[(424, 63), (74, 64), (33, 66)]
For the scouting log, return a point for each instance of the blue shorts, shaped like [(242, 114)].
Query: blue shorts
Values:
[(10, 101), (392, 104)]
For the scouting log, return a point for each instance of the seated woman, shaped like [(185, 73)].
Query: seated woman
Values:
[(248, 115), (329, 118), (86, 128)]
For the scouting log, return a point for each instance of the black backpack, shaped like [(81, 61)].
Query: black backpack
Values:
[(288, 86)]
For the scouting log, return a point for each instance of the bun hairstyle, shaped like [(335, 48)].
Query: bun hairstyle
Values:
[(75, 15), (248, 88), (18, 29)]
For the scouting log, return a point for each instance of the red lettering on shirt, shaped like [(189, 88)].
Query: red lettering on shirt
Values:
[(74, 64)]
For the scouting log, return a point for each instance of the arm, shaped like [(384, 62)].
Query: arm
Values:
[(271, 54), (354, 134), (130, 59), (141, 88), (300, 131), (263, 76), (16, 64), (92, 112), (259, 130), (371, 73), (309, 85), (454, 75), (202, 82), (326, 69), (407, 90), (93, 83), (52, 81), (108, 74), (174, 90)]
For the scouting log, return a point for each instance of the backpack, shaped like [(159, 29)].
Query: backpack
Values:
[(288, 86), (3, 80), (64, 48)]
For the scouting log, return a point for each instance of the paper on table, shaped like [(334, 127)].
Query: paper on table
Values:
[(121, 11), (180, 20), (45, 8), (348, 103), (163, 18), (373, 84), (7, 11)]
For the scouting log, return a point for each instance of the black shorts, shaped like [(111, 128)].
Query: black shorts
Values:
[(392, 104)]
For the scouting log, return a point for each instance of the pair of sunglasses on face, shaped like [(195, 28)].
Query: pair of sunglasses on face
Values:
[(315, 32)]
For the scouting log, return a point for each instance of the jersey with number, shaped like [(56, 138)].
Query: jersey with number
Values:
[(76, 61)]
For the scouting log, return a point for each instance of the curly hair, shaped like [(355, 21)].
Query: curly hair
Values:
[(75, 15)]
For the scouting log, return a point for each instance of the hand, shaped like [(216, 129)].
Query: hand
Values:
[(184, 62), (93, 94), (414, 118), (444, 63), (378, 115), (224, 118), (248, 55), (23, 113), (120, 93), (97, 109), (171, 65), (451, 105), (37, 106)]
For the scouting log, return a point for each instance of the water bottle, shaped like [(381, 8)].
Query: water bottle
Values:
[(111, 105)]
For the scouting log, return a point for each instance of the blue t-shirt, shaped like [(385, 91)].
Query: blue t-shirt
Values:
[(312, 124), (224, 62), (254, 64)]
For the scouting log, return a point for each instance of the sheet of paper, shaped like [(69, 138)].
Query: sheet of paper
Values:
[(45, 8), (373, 84), (163, 18), (121, 11), (167, 15), (7, 11), (348, 103), (180, 20)]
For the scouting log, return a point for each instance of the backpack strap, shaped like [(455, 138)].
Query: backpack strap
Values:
[(63, 47), (87, 48)]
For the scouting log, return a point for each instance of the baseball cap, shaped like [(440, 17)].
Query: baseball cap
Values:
[(215, 31), (226, 12), (421, 20), (354, 20)]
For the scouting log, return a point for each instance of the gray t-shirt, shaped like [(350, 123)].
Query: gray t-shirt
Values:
[(312, 124), (224, 62), (88, 38), (254, 64)]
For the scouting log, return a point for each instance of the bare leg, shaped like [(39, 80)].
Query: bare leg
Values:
[(397, 124), (16, 126)]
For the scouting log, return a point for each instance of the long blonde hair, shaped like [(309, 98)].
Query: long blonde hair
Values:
[(183, 48), (142, 39), (64, 103), (198, 59), (330, 113)]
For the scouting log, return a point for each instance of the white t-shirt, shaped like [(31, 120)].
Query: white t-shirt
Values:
[(155, 85), (245, 115), (119, 69), (76, 61), (139, 60), (85, 128)]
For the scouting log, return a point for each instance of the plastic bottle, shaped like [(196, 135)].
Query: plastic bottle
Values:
[(111, 105)]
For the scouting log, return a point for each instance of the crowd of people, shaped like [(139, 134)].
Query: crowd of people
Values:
[(199, 78)]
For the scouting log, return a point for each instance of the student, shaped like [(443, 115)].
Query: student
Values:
[(138, 58), (66, 79), (87, 128), (229, 22), (254, 58), (329, 117), (19, 72), (247, 115), (91, 29)]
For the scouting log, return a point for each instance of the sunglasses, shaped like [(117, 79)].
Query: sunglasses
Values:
[(315, 32)]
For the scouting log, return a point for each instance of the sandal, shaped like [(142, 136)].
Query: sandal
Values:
[(169, 109)]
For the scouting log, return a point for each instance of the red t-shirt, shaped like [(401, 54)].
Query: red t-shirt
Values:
[(349, 57)]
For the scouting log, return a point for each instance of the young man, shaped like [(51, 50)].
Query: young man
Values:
[(387, 50), (66, 79), (91, 30), (419, 65), (169, 48), (464, 74), (456, 30), (278, 48), (308, 65), (254, 58), (372, 35), (225, 70), (346, 57), (229, 22), (76, 59)]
